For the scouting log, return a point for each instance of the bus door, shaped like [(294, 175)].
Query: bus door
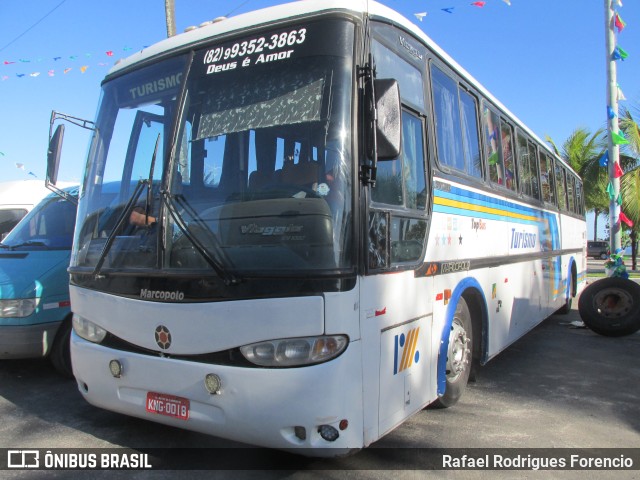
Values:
[(396, 302)]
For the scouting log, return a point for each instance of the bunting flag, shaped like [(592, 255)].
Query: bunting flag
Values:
[(508, 2), (448, 9), (626, 220), (83, 69), (20, 166), (618, 138), (610, 113), (620, 94), (611, 191), (618, 22), (421, 15), (619, 53), (604, 159), (617, 170), (619, 2), (478, 4)]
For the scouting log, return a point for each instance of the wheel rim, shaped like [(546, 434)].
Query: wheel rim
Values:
[(613, 302), (459, 354)]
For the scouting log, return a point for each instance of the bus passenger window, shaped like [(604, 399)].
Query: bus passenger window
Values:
[(447, 111), (506, 133), (493, 147), (546, 179), (560, 186)]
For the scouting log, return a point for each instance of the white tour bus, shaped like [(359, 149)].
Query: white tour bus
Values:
[(324, 223)]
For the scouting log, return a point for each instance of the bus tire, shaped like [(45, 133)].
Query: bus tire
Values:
[(459, 357), (61, 352), (611, 306)]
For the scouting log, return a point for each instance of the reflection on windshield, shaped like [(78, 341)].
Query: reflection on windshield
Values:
[(257, 182), (49, 225)]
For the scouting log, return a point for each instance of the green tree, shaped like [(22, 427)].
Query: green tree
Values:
[(582, 151), (630, 182)]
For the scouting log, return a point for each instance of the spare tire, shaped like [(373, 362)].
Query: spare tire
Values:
[(611, 306)]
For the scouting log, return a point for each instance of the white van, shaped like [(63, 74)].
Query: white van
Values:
[(17, 198)]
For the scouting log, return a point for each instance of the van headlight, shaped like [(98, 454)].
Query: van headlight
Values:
[(18, 307), (294, 352), (87, 329)]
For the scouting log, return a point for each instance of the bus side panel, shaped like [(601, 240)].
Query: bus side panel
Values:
[(398, 356)]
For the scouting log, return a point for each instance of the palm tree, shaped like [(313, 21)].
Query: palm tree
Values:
[(582, 151), (630, 182)]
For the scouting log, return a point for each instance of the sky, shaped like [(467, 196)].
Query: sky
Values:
[(544, 59)]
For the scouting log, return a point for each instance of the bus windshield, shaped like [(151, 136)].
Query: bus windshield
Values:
[(233, 158)]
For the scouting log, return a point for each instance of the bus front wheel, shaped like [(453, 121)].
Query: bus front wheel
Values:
[(459, 357)]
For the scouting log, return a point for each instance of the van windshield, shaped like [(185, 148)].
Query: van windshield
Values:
[(49, 225)]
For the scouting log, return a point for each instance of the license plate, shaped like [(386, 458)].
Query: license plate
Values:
[(169, 405)]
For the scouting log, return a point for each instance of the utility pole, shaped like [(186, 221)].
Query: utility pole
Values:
[(170, 14), (615, 240)]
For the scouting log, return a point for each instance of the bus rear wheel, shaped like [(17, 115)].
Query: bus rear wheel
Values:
[(459, 357), (611, 306)]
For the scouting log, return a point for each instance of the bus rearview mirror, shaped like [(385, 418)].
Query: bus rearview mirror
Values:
[(389, 125), (53, 154)]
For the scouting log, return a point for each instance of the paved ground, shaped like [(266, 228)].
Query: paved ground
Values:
[(558, 387)]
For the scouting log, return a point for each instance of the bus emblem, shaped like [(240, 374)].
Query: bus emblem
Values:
[(163, 337), (405, 353)]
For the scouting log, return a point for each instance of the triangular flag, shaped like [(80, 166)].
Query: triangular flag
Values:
[(19, 75), (618, 139), (8, 63), (604, 159), (55, 59), (620, 94), (610, 113), (619, 53), (626, 219), (33, 174), (20, 166), (619, 23), (478, 4), (67, 70), (617, 171), (109, 53), (619, 2), (611, 191), (34, 74), (421, 15), (508, 2), (51, 73), (619, 199), (84, 68), (448, 9)]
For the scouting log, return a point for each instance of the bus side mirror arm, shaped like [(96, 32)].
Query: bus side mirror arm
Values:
[(55, 148)]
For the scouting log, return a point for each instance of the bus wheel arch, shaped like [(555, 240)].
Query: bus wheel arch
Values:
[(572, 286), (462, 343)]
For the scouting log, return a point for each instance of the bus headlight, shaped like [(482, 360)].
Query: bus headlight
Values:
[(293, 352), (18, 307), (87, 329)]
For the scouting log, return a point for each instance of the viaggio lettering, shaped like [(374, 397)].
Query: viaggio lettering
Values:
[(161, 295), (523, 239)]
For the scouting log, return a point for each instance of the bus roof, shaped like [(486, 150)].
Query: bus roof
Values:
[(291, 10)]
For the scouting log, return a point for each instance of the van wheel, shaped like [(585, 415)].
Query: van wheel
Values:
[(459, 357), (611, 306), (61, 352)]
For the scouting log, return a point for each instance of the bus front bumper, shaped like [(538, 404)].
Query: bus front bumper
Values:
[(277, 408)]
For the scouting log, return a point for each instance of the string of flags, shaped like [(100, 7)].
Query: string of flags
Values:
[(6, 67), (617, 138), (479, 4)]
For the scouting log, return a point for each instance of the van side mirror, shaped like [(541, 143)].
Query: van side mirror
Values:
[(53, 155), (389, 113)]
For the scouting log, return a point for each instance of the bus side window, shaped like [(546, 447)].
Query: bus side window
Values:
[(560, 187), (401, 184), (546, 179)]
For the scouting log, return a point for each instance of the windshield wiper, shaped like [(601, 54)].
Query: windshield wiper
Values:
[(127, 211), (28, 243), (228, 277)]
